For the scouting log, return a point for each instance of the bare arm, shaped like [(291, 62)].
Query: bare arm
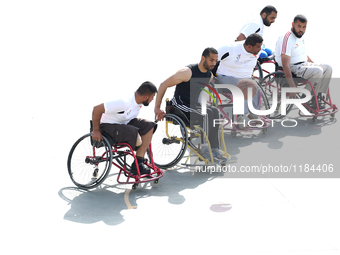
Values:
[(96, 116), (241, 37), (309, 59), (180, 76)]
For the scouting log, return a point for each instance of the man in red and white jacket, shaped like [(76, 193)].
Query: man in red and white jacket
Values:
[(291, 55)]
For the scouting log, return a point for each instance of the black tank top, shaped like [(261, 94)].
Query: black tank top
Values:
[(187, 93)]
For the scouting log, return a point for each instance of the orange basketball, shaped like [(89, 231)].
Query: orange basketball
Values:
[(244, 84)]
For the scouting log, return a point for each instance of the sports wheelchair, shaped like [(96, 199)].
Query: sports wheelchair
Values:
[(278, 80), (89, 162), (230, 121), (176, 135)]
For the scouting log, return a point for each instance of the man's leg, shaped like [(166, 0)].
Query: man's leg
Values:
[(146, 129), (326, 78), (146, 140), (319, 75), (311, 72)]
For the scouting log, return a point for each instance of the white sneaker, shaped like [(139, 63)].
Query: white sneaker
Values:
[(255, 119), (241, 122)]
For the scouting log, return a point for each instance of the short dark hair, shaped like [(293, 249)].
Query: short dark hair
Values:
[(253, 39), (209, 50), (268, 10), (301, 18), (147, 88)]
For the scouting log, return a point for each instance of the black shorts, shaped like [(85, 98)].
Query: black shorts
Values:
[(128, 133)]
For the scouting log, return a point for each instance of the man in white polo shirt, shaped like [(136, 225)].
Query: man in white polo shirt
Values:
[(291, 55), (237, 62), (118, 118), (256, 24)]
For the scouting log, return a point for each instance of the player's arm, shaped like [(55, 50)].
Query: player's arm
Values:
[(96, 116), (309, 59), (241, 37), (249, 29), (182, 75), (288, 73), (211, 78)]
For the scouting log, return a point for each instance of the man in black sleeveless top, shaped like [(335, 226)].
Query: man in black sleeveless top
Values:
[(189, 81)]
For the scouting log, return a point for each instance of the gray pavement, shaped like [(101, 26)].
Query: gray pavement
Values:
[(212, 213)]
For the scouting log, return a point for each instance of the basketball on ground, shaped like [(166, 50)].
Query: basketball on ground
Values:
[(244, 84)]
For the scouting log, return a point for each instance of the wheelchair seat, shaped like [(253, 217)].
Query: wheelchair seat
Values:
[(297, 79), (174, 110)]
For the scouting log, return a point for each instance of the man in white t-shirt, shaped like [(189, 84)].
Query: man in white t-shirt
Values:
[(118, 118), (237, 62), (291, 55), (256, 24)]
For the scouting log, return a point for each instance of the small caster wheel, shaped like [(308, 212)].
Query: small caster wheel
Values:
[(155, 181), (264, 130), (233, 133), (332, 115), (314, 119), (134, 186), (95, 173)]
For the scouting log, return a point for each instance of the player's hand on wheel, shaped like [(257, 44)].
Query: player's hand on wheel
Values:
[(159, 114), (97, 135)]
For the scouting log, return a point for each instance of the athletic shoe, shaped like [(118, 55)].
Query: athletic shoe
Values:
[(206, 155), (218, 154), (255, 119), (142, 168), (241, 122), (321, 102)]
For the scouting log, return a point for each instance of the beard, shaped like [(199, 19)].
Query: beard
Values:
[(296, 34), (266, 22), (146, 103), (206, 66)]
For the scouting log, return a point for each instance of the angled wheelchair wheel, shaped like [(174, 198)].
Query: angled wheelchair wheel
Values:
[(169, 142), (269, 83), (88, 163), (257, 73)]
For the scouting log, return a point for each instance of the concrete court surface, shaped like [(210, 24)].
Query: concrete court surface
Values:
[(186, 213)]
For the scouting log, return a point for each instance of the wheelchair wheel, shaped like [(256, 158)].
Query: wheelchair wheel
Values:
[(264, 103), (89, 165), (269, 83), (258, 72), (169, 142)]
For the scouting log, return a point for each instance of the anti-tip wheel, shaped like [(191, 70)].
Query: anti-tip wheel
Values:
[(155, 181), (134, 186)]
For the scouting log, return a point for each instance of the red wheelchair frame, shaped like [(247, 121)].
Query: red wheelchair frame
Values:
[(89, 163), (234, 128), (267, 85), (139, 178), (331, 108)]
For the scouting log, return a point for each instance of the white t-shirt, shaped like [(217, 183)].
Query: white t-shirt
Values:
[(121, 110), (254, 25), (239, 63), (292, 46)]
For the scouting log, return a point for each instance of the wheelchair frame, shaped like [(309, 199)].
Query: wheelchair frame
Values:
[(96, 158), (266, 122), (278, 77), (168, 139)]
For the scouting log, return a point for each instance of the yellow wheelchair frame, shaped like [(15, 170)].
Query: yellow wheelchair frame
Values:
[(167, 138)]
